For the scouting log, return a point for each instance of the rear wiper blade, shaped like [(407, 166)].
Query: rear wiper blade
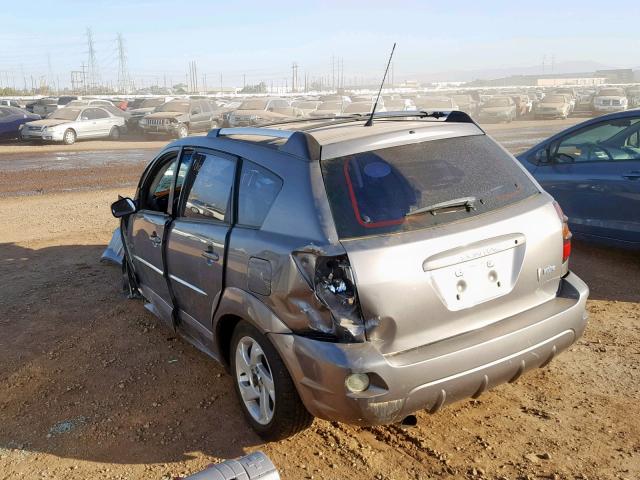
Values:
[(468, 203)]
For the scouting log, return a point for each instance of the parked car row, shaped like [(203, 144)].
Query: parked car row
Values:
[(180, 116)]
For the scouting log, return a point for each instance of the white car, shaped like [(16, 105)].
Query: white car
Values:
[(610, 100), (69, 124)]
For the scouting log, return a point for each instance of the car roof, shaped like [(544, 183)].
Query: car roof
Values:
[(322, 138)]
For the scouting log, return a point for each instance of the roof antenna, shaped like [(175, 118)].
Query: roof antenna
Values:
[(375, 105)]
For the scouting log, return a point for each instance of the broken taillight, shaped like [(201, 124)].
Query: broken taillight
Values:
[(566, 233), (333, 284)]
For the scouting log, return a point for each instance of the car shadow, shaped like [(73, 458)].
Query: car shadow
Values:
[(87, 374), (612, 274)]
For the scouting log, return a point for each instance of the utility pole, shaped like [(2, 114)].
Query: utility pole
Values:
[(294, 77), (333, 72), (50, 71), (244, 80), (84, 79)]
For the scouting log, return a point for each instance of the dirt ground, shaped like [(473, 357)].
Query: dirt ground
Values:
[(93, 386)]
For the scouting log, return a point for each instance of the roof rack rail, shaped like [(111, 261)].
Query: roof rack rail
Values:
[(451, 116), (302, 144), (298, 143)]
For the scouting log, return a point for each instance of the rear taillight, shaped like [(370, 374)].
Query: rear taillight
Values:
[(333, 284), (566, 233)]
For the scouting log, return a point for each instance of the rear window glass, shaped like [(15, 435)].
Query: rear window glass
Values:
[(371, 193)]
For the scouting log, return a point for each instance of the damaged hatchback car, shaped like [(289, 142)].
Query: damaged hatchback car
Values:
[(350, 272)]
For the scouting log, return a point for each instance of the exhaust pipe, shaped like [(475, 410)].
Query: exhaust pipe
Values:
[(409, 421)]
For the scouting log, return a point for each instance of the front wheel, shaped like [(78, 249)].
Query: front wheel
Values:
[(267, 394), (183, 131), (69, 137), (115, 133)]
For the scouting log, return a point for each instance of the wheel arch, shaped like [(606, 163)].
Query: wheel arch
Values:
[(236, 305)]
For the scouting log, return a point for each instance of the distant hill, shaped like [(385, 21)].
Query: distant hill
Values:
[(493, 73)]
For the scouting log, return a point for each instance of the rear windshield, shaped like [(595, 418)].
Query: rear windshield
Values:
[(371, 193)]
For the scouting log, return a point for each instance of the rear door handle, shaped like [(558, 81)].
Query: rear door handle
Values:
[(632, 175), (155, 239)]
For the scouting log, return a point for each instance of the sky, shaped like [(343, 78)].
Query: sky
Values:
[(260, 40)]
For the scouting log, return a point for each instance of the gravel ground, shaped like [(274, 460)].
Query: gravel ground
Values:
[(92, 386)]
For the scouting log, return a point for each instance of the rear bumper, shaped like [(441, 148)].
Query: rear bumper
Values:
[(432, 376)]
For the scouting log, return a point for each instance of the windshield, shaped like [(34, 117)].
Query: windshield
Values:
[(331, 106), (372, 192), (554, 99), (433, 103), (256, 104), (497, 102), (610, 92), (360, 107), (152, 103), (305, 105), (66, 113), (182, 107)]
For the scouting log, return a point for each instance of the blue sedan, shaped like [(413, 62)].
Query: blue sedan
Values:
[(10, 120), (593, 170)]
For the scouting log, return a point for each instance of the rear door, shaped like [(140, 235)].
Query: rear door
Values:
[(594, 174), (197, 240), (422, 277)]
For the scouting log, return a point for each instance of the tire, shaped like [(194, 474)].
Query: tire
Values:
[(183, 131), (114, 134), (253, 358), (69, 137)]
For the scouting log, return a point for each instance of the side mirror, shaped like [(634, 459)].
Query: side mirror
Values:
[(541, 157), (123, 207)]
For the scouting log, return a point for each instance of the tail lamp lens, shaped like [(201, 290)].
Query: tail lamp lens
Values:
[(566, 233)]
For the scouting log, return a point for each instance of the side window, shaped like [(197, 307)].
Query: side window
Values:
[(99, 113), (606, 141), (88, 114), (210, 194), (206, 107), (258, 190), (633, 140), (196, 109), (157, 197)]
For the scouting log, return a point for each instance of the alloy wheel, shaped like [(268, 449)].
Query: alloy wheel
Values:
[(255, 380)]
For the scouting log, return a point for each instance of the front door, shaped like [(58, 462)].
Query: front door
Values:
[(197, 241), (147, 229)]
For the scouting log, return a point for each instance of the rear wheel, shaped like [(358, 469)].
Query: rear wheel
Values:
[(69, 137), (267, 394)]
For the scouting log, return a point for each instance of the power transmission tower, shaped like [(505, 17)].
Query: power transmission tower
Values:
[(92, 64), (124, 83)]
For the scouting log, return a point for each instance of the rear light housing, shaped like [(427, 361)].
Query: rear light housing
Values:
[(566, 236), (332, 281)]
